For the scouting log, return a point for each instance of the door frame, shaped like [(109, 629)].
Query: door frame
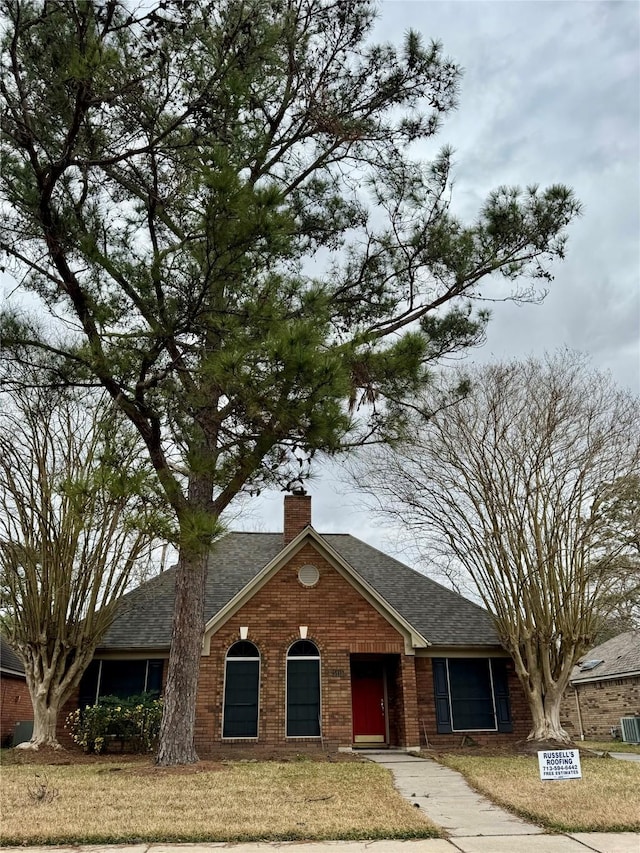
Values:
[(361, 741)]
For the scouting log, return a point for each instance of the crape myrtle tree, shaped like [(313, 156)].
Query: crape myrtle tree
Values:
[(224, 202), (620, 608), (80, 514), (517, 484)]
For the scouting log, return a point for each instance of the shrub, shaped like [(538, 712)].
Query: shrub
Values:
[(134, 721)]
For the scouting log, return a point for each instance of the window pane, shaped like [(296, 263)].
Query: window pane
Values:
[(471, 697), (303, 648), (303, 698), (154, 678), (89, 685), (241, 698), (122, 678), (243, 649)]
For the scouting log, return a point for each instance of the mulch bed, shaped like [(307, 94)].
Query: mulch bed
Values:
[(144, 764), (520, 747)]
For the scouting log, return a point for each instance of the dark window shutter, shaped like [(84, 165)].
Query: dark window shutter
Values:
[(303, 697), (241, 698), (501, 692), (441, 694)]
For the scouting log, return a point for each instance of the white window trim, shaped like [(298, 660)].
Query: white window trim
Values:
[(224, 694), (493, 701), (286, 691), (99, 680)]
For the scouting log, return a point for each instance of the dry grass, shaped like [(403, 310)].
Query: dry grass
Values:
[(610, 746), (125, 802), (606, 799)]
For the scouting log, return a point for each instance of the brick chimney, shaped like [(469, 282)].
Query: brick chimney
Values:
[(297, 515)]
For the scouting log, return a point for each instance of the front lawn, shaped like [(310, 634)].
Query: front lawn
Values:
[(113, 801), (606, 799), (610, 746)]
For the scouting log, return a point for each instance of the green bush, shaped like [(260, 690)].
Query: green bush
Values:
[(134, 722)]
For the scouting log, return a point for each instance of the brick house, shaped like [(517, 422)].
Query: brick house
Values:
[(15, 701), (320, 641), (604, 686)]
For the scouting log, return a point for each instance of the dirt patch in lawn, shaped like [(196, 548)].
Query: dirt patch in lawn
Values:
[(145, 764), (516, 748)]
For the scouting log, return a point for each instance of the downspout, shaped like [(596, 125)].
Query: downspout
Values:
[(575, 690)]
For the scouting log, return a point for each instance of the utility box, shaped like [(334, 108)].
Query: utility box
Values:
[(630, 729), (22, 732)]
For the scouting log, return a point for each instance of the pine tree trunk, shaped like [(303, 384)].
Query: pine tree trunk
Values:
[(176, 742)]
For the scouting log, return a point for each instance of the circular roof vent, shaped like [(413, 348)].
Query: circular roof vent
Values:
[(308, 575)]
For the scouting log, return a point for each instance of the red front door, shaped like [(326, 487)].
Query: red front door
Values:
[(368, 702)]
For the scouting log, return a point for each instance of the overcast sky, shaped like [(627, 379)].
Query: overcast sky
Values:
[(550, 94)]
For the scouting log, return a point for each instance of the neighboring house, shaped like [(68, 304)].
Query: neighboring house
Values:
[(320, 640), (604, 686), (15, 702)]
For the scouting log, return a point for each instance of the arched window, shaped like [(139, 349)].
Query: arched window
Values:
[(303, 690), (241, 691)]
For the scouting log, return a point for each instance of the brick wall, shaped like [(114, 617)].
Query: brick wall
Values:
[(339, 622), (427, 713), (602, 703), (15, 705)]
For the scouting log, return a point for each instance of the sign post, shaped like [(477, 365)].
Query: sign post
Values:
[(560, 764)]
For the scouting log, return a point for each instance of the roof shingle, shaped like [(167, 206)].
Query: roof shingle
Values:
[(442, 616), (10, 660), (620, 656)]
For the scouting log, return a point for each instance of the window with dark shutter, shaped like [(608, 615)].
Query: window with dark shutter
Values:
[(241, 691), (471, 692), (303, 690)]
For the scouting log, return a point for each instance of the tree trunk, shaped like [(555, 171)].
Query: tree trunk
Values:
[(46, 706), (176, 743), (545, 711)]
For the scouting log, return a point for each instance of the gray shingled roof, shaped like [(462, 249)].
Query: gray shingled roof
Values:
[(443, 617), (10, 661), (619, 655)]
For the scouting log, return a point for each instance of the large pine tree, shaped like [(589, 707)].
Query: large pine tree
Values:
[(221, 205)]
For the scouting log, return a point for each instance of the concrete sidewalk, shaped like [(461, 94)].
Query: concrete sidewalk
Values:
[(592, 842), (474, 824)]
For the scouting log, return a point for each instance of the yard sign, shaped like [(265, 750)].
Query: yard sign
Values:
[(560, 764)]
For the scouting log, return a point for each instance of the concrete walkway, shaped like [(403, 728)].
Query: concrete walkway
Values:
[(476, 825), (445, 797), (592, 842)]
